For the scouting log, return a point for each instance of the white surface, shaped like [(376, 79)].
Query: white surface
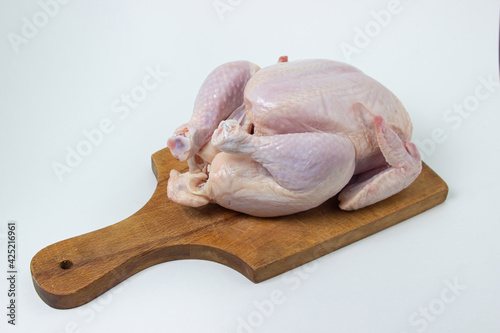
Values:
[(67, 77)]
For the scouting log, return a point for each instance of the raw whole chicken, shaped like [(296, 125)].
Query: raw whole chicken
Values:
[(285, 138)]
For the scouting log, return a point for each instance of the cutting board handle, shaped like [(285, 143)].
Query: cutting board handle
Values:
[(75, 271)]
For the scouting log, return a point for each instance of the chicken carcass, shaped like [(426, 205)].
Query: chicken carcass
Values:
[(286, 138)]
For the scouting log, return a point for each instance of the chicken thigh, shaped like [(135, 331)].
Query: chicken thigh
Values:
[(285, 138)]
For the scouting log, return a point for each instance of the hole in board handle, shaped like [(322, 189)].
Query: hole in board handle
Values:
[(66, 264)]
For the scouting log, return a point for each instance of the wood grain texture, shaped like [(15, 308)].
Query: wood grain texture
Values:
[(75, 271)]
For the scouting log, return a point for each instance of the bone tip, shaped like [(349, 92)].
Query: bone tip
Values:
[(179, 146)]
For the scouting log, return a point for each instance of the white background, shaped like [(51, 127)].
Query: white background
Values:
[(65, 76)]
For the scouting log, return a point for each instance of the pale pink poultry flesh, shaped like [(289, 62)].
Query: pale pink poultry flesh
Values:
[(285, 138)]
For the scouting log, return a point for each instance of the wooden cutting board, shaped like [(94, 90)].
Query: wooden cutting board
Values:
[(75, 271)]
